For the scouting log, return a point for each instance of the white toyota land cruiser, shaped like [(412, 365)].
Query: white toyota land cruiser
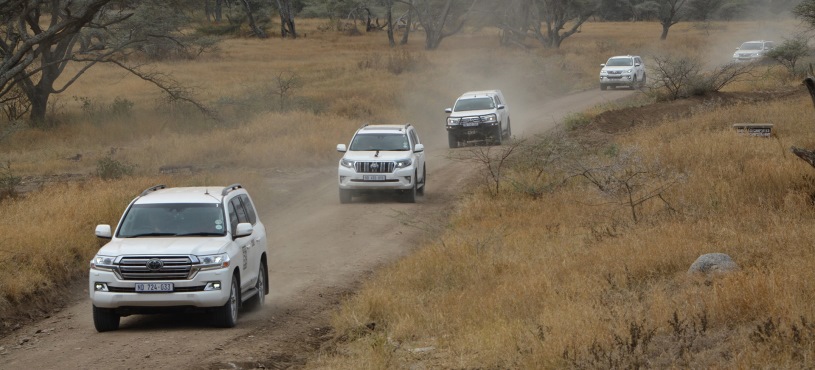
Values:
[(383, 157), (478, 115), (181, 248)]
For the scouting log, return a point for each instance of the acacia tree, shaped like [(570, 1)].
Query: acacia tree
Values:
[(39, 39), (440, 18), (553, 16), (671, 12)]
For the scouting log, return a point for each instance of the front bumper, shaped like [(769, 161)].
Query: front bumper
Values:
[(399, 179), (121, 293), (472, 133), (622, 79)]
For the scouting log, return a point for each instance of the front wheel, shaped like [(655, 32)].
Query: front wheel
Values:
[(634, 83), (420, 191), (345, 196), (452, 141), (497, 135), (509, 129), (642, 83), (603, 87), (258, 301), (410, 195), (227, 315), (105, 319)]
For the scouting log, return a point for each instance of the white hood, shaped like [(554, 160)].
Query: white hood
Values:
[(165, 246), (470, 113), (384, 156)]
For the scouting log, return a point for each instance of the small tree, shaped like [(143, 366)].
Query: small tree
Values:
[(789, 52)]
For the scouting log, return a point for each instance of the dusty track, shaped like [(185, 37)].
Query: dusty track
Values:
[(320, 251)]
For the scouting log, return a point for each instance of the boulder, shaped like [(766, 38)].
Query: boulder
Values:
[(713, 263)]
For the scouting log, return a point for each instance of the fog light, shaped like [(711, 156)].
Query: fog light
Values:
[(100, 287), (407, 178), (213, 285)]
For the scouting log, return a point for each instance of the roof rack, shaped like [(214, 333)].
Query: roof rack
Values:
[(152, 189), (229, 188)]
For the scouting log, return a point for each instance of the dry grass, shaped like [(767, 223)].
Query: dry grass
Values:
[(515, 282)]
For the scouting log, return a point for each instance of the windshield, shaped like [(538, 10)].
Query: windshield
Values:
[(750, 46), (474, 104), (620, 62), (382, 142), (173, 219)]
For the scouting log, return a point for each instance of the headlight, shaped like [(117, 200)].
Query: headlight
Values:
[(347, 163), (402, 163), (213, 261), (100, 262), (453, 121), (489, 118), (629, 71)]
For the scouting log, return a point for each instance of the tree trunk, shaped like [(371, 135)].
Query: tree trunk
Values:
[(806, 154), (408, 24), (218, 10), (665, 28), (389, 14), (259, 33), (286, 19)]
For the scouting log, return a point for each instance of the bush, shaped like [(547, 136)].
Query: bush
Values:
[(8, 182), (790, 52), (676, 77), (108, 168)]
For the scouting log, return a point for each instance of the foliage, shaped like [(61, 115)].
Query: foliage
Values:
[(108, 168), (8, 181), (681, 76), (789, 52)]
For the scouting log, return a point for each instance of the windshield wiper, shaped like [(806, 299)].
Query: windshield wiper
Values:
[(152, 234), (201, 234)]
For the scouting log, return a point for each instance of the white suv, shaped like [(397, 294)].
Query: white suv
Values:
[(181, 248), (478, 115), (623, 70), (752, 51), (383, 157)]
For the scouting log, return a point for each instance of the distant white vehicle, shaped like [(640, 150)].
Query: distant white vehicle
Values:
[(383, 158), (751, 51), (622, 70), (478, 115)]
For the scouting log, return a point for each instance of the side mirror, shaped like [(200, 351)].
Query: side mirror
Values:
[(501, 106), (603, 65), (341, 148), (418, 148), (243, 229), (103, 231), (636, 64), (448, 110)]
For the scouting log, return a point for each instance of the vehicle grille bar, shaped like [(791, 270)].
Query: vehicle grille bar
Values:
[(173, 268), (374, 167)]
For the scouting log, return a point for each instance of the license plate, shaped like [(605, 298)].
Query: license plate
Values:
[(469, 124), (154, 287), (373, 177)]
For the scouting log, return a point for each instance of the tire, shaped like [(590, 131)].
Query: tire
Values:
[(642, 83), (259, 300), (410, 195), (345, 196), (603, 87), (497, 135), (420, 191), (105, 319), (509, 129), (226, 316), (452, 141), (634, 83)]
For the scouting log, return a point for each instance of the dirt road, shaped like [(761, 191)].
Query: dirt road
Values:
[(319, 252)]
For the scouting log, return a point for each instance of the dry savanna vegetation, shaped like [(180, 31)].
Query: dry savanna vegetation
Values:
[(540, 265)]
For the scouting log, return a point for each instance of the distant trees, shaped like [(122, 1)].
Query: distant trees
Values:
[(39, 39), (670, 13), (544, 20), (440, 18)]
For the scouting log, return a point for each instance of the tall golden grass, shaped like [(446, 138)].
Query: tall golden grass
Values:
[(514, 282)]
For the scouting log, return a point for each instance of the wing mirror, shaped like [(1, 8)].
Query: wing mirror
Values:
[(448, 110), (103, 231), (341, 148), (418, 148)]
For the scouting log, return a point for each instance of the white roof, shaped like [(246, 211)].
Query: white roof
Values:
[(382, 128), (201, 194)]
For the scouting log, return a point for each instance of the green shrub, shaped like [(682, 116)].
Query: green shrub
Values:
[(108, 168)]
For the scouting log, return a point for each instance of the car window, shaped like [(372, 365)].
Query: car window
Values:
[(751, 46), (173, 219), (474, 104), (385, 142), (619, 62), (250, 210)]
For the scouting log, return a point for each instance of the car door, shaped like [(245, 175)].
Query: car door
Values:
[(414, 139), (245, 245), (640, 68), (501, 113)]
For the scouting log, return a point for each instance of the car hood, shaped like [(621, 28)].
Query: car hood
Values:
[(468, 113), (164, 246), (369, 155)]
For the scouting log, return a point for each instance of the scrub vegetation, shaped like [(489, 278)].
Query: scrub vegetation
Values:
[(552, 271)]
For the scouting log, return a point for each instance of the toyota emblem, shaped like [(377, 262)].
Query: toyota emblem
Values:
[(374, 165), (154, 264)]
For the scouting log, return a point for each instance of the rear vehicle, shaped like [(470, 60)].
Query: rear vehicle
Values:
[(383, 158), (752, 51), (178, 249), (478, 116), (623, 70)]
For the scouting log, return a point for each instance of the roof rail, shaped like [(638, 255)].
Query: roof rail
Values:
[(152, 189), (229, 188)]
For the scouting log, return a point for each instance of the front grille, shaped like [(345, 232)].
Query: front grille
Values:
[(615, 72), (467, 120), (374, 167), (174, 268)]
